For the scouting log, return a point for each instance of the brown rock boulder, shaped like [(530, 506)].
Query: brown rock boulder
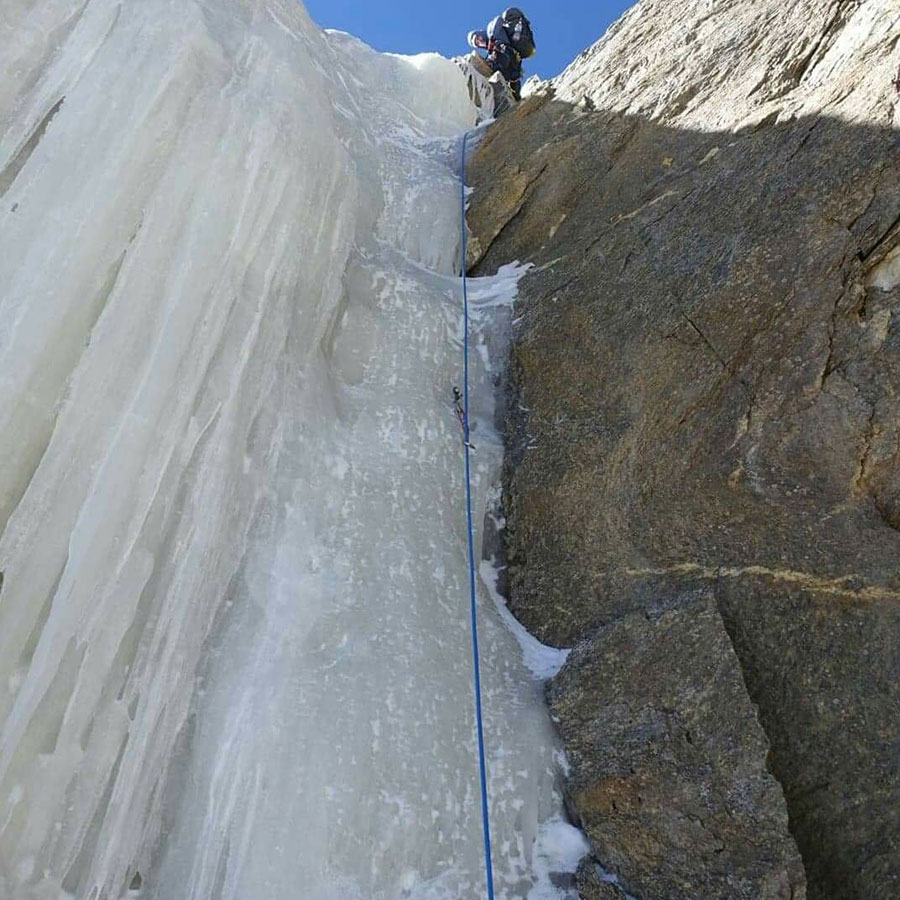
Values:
[(668, 760), (592, 887), (705, 381)]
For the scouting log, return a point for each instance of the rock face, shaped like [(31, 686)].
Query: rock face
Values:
[(592, 887), (668, 759), (705, 384)]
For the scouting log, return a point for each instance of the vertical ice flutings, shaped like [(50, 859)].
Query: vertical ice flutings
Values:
[(233, 644)]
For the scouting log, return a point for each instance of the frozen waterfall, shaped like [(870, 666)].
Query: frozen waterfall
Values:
[(234, 642)]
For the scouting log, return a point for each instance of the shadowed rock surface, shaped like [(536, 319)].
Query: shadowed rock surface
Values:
[(668, 758), (592, 887), (706, 377)]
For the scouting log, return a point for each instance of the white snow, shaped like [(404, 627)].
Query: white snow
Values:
[(560, 848), (543, 661), (499, 290), (234, 639)]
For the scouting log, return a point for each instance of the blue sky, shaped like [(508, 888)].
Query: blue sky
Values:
[(562, 29)]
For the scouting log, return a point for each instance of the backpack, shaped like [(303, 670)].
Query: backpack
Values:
[(519, 30)]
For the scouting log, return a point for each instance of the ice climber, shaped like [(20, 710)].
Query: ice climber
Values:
[(508, 40)]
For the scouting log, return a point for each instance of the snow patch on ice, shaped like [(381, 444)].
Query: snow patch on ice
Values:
[(543, 661), (559, 849), (500, 289)]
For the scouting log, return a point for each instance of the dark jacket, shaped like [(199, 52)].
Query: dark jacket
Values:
[(501, 56)]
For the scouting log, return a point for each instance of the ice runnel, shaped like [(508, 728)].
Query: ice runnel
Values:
[(234, 656)]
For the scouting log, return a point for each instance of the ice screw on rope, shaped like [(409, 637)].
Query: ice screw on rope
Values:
[(461, 418), (473, 597)]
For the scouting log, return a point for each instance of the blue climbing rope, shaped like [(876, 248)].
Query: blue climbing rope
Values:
[(479, 719)]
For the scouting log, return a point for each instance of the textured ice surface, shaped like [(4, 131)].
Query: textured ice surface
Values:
[(234, 646)]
